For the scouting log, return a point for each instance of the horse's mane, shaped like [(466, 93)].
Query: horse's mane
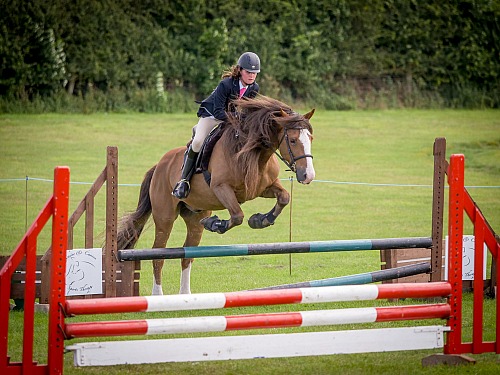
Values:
[(255, 130)]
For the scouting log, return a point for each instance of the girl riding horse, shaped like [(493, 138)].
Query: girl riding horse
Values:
[(238, 82)]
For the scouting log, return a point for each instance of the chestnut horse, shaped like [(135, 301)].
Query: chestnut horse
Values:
[(243, 166)]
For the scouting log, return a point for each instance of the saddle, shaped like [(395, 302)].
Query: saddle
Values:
[(203, 159)]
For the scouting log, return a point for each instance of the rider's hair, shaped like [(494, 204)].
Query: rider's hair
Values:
[(234, 72)]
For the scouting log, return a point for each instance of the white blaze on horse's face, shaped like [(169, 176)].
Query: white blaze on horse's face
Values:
[(305, 138)]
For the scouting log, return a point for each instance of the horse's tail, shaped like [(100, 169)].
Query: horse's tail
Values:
[(132, 225)]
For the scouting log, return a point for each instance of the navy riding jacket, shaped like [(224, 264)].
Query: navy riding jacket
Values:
[(217, 104)]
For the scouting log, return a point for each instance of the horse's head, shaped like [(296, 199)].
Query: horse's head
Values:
[(270, 125), (295, 144)]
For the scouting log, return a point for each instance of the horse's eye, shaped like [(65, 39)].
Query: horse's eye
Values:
[(293, 141)]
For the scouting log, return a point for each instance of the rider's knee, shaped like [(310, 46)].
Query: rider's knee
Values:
[(196, 144)]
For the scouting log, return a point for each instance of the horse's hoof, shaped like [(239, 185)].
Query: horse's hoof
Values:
[(259, 221), (157, 290), (214, 224), (256, 221)]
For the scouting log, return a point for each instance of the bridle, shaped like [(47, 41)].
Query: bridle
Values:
[(293, 158)]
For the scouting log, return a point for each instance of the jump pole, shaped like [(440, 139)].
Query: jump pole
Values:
[(360, 278), (199, 301), (314, 318), (274, 248)]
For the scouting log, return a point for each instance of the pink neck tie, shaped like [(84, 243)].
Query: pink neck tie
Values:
[(242, 91)]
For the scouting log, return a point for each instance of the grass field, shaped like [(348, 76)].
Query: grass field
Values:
[(373, 178)]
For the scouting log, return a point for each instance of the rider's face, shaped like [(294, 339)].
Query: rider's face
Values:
[(247, 77)]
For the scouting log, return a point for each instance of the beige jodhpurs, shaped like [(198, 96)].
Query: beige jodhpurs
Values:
[(202, 129)]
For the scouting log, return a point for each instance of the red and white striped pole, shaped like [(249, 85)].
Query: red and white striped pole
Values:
[(256, 321), (256, 298)]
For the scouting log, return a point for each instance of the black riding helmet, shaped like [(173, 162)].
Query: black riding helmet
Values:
[(250, 62)]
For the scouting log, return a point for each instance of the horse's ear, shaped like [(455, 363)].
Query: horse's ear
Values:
[(308, 115), (283, 113)]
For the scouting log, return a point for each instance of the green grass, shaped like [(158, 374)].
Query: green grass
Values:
[(375, 147)]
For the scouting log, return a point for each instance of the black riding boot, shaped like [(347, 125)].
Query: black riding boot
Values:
[(183, 187)]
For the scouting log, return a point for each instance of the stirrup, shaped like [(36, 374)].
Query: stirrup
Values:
[(181, 189)]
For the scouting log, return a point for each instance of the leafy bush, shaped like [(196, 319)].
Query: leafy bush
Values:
[(337, 54)]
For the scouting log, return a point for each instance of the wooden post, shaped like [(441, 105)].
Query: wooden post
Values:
[(89, 220), (440, 166), (110, 249)]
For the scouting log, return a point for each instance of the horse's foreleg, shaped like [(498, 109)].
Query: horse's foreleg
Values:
[(226, 196), (276, 190)]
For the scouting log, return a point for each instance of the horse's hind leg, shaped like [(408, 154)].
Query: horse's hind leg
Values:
[(276, 190), (193, 238), (163, 227)]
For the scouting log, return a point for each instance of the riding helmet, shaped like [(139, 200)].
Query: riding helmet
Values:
[(250, 62)]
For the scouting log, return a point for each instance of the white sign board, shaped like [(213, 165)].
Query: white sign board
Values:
[(83, 272), (467, 258)]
